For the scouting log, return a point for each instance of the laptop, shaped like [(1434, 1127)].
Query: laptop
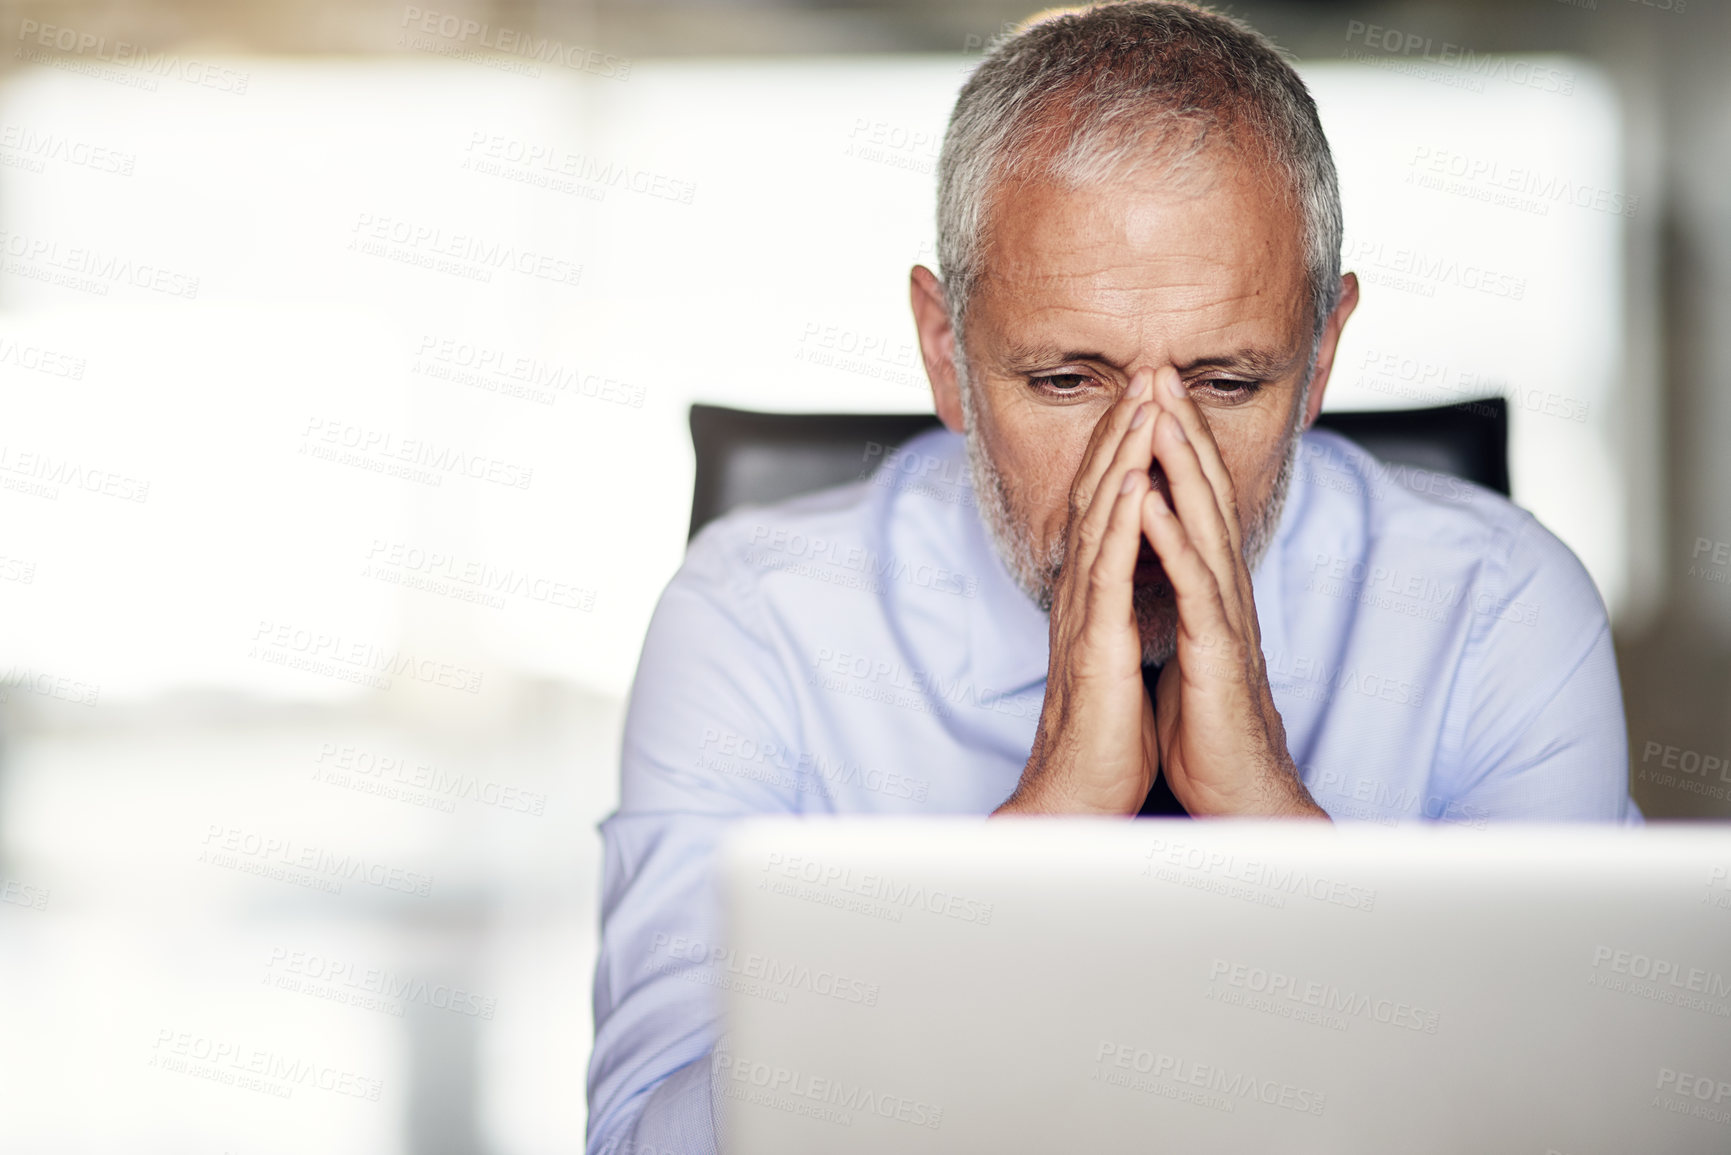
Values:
[(1053, 986)]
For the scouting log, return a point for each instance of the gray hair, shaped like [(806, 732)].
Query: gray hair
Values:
[(1084, 95)]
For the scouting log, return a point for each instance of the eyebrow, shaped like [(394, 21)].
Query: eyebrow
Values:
[(1249, 361), (1019, 357)]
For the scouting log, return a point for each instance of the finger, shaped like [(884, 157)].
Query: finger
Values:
[(1103, 444), (1202, 616), (1194, 501), (1170, 392), (1135, 451), (1110, 578)]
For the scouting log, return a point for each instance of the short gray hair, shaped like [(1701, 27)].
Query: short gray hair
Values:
[(1079, 96)]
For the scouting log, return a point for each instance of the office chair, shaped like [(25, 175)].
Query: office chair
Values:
[(749, 457)]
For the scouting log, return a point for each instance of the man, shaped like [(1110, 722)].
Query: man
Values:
[(1123, 579)]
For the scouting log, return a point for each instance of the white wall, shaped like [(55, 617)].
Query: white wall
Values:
[(738, 232)]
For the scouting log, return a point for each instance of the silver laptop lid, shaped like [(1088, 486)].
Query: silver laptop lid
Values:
[(907, 985)]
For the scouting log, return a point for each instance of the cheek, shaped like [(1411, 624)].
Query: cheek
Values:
[(1038, 454), (1047, 466), (1252, 457)]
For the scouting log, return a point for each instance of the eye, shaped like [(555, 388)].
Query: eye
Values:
[(1062, 384), (1232, 390)]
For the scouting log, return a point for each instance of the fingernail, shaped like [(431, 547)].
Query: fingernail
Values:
[(1137, 384), (1141, 416), (1177, 427), (1175, 384), (1129, 482), (1159, 504)]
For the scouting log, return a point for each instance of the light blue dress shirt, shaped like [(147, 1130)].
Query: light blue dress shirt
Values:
[(1435, 653)]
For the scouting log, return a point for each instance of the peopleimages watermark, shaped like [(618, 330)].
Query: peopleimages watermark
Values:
[(519, 375), (775, 764), (1416, 271), (32, 150), (469, 580), (855, 566), (752, 972), (827, 1100), (1316, 680), (315, 867), (559, 169), (46, 684), (250, 1068), (1661, 980), (1385, 803), (36, 359), (1511, 186), (1718, 891), (459, 37), (408, 458), (29, 895), (1418, 379), (1115, 1063), (1679, 768), (894, 145), (370, 988), (1322, 1004), (1705, 1097), (1411, 594), (1716, 568), (1324, 463), (1672, 6), (1256, 880), (87, 270), (416, 782), (463, 255), (863, 354), (1469, 68), (921, 690), (332, 655), (819, 881), (88, 52), (38, 474), (939, 477), (17, 569)]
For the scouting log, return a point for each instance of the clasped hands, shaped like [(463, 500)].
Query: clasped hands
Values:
[(1212, 727)]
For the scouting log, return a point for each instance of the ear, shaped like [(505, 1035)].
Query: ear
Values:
[(937, 345), (1328, 344)]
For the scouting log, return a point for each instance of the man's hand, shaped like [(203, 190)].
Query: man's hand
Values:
[(1221, 742), (1094, 752)]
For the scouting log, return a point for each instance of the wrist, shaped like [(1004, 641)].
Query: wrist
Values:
[(1279, 793), (1296, 802), (1033, 800)]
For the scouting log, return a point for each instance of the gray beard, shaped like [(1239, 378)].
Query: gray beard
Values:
[(1156, 611)]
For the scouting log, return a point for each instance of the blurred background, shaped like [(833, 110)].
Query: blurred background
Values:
[(345, 353)]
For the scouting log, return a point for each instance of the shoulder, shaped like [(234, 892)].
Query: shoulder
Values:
[(1516, 569), (836, 537)]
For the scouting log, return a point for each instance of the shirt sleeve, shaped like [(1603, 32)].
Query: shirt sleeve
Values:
[(1539, 720), (705, 732)]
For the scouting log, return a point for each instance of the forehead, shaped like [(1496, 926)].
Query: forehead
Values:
[(1140, 260)]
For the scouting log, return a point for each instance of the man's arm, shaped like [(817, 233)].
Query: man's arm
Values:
[(707, 684), (1537, 721)]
